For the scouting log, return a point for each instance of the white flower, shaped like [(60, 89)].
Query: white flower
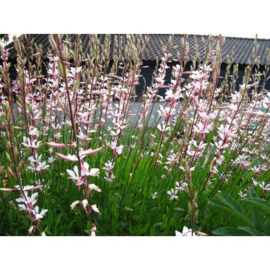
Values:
[(185, 170), (32, 167), (115, 133), (39, 167), (119, 149), (51, 160), (85, 203), (173, 194), (242, 195), (262, 185), (33, 131), (255, 183), (185, 232), (94, 207), (154, 195), (74, 175), (92, 172), (109, 165), (37, 214), (27, 200), (35, 158), (33, 144), (93, 231), (73, 205), (162, 128), (109, 177), (180, 186), (93, 186), (31, 229), (42, 166), (75, 70), (25, 188), (83, 136), (57, 135)]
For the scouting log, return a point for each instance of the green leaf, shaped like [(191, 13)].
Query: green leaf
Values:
[(259, 233), (165, 222), (135, 217), (260, 204), (171, 221), (127, 208), (217, 203), (255, 213), (267, 227), (142, 230), (87, 230), (232, 203), (70, 224), (248, 230), (136, 203), (158, 224), (230, 209), (77, 83), (58, 220), (230, 232), (178, 209), (152, 232), (128, 39)]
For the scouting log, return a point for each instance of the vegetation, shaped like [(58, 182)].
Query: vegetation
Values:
[(76, 160)]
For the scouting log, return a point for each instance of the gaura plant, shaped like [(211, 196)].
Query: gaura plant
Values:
[(146, 172)]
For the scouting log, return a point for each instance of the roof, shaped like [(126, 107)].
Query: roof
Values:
[(242, 54)]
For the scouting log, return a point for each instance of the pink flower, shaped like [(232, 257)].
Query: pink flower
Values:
[(82, 154), (68, 157), (53, 144), (89, 152), (26, 188)]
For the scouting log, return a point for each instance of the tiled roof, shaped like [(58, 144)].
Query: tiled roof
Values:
[(243, 46)]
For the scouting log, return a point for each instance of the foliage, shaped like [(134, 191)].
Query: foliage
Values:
[(257, 223)]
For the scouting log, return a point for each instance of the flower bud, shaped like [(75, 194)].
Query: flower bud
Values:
[(8, 157), (52, 42), (16, 153), (10, 171), (190, 208), (196, 213), (20, 165), (144, 96)]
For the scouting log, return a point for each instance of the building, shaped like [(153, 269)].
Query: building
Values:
[(242, 52)]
